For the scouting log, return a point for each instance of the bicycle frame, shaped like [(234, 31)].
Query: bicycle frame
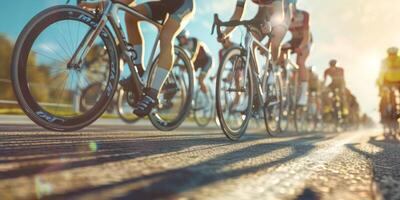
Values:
[(110, 14), (250, 45)]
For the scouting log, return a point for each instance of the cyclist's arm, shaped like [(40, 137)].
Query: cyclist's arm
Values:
[(237, 15), (306, 31), (292, 8)]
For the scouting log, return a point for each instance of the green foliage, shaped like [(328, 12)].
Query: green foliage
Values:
[(6, 47)]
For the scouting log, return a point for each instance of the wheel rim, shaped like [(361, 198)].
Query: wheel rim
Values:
[(49, 90), (202, 110), (125, 102), (273, 107)]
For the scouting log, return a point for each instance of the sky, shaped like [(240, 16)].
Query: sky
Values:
[(356, 32)]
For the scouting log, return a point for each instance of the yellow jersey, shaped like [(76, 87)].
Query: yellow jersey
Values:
[(390, 71)]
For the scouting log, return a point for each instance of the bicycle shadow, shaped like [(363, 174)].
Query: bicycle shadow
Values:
[(176, 181), (33, 154), (385, 163)]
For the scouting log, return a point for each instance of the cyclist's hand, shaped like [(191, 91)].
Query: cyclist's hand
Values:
[(298, 50), (221, 39)]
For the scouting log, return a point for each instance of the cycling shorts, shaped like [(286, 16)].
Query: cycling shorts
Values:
[(296, 42), (205, 67), (177, 9)]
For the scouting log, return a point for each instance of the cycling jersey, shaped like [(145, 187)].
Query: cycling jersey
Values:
[(204, 59), (337, 75), (390, 71), (299, 24), (177, 9), (298, 28)]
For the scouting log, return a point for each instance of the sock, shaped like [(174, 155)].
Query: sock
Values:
[(304, 87), (159, 77)]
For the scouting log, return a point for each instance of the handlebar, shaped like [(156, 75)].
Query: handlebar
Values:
[(218, 24)]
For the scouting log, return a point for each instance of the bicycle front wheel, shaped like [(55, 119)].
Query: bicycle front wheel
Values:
[(273, 105), (47, 89), (234, 94)]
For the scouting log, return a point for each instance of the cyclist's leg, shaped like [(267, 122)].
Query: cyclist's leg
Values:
[(168, 33), (203, 75), (174, 25), (135, 36), (279, 28), (303, 74)]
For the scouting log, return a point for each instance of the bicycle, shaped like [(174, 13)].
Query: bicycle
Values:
[(250, 88), (309, 118), (334, 116), (391, 111), (290, 109), (203, 105), (41, 42)]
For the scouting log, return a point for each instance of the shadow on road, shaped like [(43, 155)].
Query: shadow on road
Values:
[(35, 153), (91, 149), (176, 181), (308, 194), (385, 165)]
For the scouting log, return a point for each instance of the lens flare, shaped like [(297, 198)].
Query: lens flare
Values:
[(93, 146)]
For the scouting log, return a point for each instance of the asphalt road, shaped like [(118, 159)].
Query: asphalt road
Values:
[(110, 160)]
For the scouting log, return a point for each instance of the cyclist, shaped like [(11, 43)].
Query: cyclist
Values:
[(200, 56), (300, 44), (389, 75), (337, 82), (180, 12), (268, 9)]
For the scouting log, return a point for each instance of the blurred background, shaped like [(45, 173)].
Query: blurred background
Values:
[(356, 32)]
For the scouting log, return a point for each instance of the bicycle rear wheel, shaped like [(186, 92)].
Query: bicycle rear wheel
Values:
[(203, 112), (125, 103), (46, 88), (176, 94), (234, 95)]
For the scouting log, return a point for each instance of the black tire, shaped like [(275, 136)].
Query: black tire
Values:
[(125, 102), (206, 108), (43, 22), (232, 56), (162, 121), (273, 113)]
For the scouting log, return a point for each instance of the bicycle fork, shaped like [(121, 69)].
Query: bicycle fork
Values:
[(87, 42)]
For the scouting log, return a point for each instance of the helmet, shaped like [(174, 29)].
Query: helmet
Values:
[(333, 62), (393, 50), (184, 34)]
